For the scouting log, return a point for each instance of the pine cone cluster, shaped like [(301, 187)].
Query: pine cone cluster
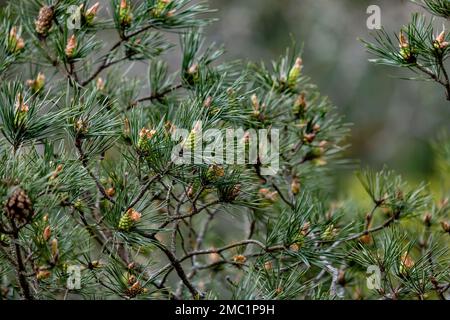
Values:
[(71, 46), (44, 20), (134, 286), (125, 16), (160, 7), (19, 206), (144, 137), (135, 289), (192, 140), (129, 219)]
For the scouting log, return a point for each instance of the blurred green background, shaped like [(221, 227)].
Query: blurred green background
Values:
[(393, 120)]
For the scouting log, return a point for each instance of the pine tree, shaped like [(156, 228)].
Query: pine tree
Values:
[(88, 181)]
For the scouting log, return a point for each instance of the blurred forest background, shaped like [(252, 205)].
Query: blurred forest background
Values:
[(393, 120)]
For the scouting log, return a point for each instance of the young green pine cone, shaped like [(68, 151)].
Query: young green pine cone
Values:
[(144, 137), (71, 46), (4, 240), (299, 240), (21, 111), (193, 137), (255, 106), (125, 15), (19, 207), (15, 42), (54, 249), (125, 223), (439, 42), (128, 220), (191, 140), (295, 72), (44, 20), (329, 233), (91, 13), (406, 263), (316, 156), (406, 51), (192, 74), (160, 7), (37, 84)]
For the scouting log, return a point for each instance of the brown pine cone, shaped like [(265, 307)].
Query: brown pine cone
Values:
[(44, 20), (135, 290), (19, 207)]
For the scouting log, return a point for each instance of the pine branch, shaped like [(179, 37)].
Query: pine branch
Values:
[(445, 83), (105, 63), (20, 266), (155, 96), (84, 162), (179, 269)]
